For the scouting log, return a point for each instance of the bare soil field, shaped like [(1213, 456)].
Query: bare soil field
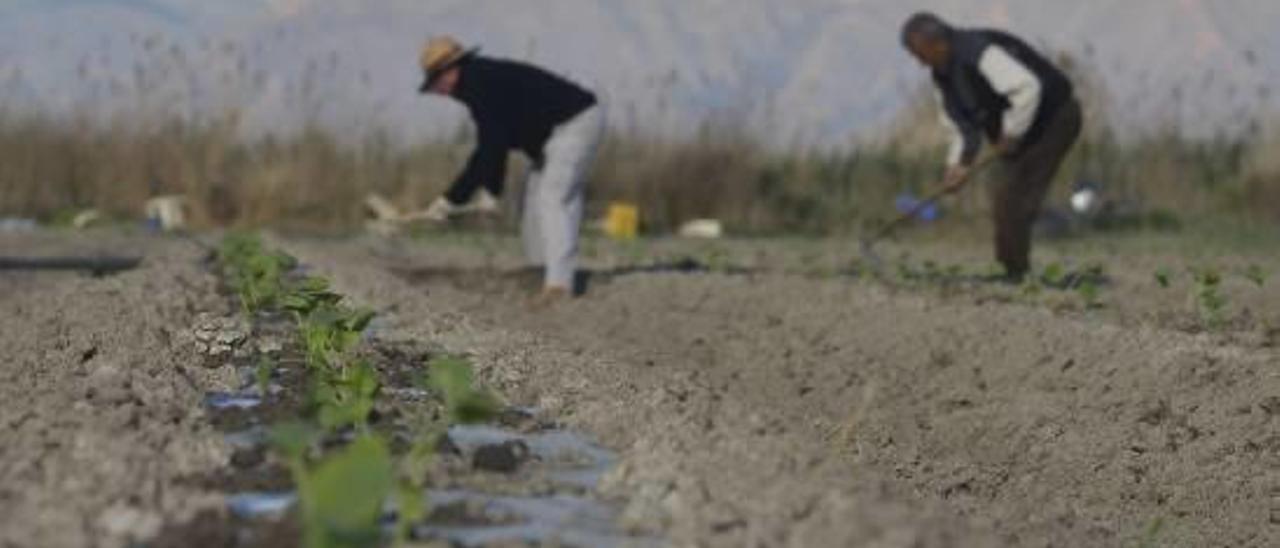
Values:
[(756, 393), (101, 400)]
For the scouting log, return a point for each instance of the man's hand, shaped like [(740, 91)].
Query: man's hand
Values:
[(484, 203), (1006, 145), (439, 211), (955, 177)]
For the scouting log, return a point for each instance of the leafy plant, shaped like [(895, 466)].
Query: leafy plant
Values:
[(411, 507), (717, 259), (1089, 285), (262, 374), (308, 295), (341, 499), (329, 333), (1031, 288), (1055, 275), (346, 397), (1257, 275), (1163, 277), (905, 271), (1210, 302), (255, 274), (1089, 293), (452, 378), (931, 271), (1151, 536), (342, 495)]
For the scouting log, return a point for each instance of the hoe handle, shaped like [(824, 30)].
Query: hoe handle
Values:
[(931, 199)]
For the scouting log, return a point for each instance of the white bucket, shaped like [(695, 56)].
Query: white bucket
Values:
[(167, 212)]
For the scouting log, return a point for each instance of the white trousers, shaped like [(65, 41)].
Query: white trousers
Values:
[(554, 196)]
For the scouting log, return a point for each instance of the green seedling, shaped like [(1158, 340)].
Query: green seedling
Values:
[(931, 271), (264, 280), (1089, 293), (342, 498), (262, 374), (906, 272), (236, 246), (330, 332), (347, 397), (451, 378), (1055, 275), (411, 506), (1151, 537), (1210, 302), (717, 259), (293, 440), (1163, 277), (255, 274), (1257, 275), (1089, 286), (308, 295), (1031, 288)]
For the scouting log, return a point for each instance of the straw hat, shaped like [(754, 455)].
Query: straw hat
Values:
[(440, 54)]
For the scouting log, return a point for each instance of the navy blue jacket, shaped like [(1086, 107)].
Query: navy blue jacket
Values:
[(515, 106)]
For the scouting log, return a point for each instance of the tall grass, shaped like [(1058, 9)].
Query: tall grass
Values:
[(316, 178), (313, 179)]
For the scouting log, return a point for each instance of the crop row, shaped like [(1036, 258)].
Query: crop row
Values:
[(343, 492)]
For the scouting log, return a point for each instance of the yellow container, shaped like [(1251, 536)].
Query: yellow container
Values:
[(622, 221)]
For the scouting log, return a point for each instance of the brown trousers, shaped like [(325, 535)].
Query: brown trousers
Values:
[(1023, 184)]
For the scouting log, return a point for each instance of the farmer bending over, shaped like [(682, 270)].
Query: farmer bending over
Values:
[(515, 106), (993, 85)]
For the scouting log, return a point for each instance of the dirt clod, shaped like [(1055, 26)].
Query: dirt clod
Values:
[(502, 458)]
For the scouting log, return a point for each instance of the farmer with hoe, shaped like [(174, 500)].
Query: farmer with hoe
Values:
[(518, 107), (994, 86)]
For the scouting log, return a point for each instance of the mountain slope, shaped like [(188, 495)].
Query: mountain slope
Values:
[(815, 70)]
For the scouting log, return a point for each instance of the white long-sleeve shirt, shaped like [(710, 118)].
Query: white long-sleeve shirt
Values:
[(1017, 84), (1011, 79)]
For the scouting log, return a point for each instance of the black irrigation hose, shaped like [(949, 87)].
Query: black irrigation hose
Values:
[(98, 266)]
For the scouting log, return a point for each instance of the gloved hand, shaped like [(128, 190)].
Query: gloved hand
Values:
[(484, 202), (439, 211)]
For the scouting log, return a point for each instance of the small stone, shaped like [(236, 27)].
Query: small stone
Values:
[(128, 522), (1271, 405), (219, 336), (502, 458), (270, 345), (248, 458)]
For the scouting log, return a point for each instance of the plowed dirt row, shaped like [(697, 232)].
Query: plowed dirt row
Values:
[(774, 409), (101, 400), (758, 406)]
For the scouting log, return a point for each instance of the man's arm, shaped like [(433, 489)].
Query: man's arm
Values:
[(965, 140), (1015, 82), (488, 163)]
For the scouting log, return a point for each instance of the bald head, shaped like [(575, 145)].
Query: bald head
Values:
[(928, 38)]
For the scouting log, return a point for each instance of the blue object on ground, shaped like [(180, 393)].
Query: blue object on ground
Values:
[(907, 202)]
